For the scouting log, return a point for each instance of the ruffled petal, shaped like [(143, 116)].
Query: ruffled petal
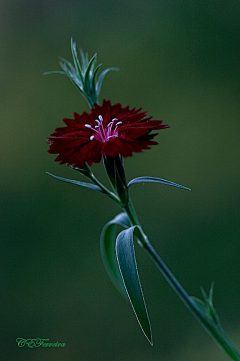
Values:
[(108, 130)]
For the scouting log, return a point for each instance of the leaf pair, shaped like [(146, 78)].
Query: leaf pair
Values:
[(119, 256), (121, 265), (206, 306), (133, 181)]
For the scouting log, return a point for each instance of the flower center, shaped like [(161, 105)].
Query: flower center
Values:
[(104, 133)]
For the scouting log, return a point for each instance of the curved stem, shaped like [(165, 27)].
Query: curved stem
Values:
[(86, 171), (104, 189), (217, 333)]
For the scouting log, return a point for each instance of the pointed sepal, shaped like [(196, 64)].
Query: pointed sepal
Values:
[(117, 178)]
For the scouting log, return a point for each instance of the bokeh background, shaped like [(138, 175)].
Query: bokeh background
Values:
[(180, 61)]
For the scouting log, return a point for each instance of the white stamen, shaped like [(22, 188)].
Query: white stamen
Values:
[(103, 132)]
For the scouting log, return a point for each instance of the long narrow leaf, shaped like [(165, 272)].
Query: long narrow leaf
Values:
[(90, 64), (94, 76), (68, 63), (100, 79), (82, 184), (128, 268), (65, 68), (156, 180), (54, 72), (74, 79), (107, 246), (84, 58), (76, 61), (92, 67)]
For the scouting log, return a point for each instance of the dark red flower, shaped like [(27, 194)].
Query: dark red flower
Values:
[(109, 130)]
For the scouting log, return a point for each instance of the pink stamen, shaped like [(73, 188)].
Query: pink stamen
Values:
[(104, 133)]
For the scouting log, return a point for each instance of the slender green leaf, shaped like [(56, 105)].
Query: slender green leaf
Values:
[(107, 246), (92, 67), (90, 64), (74, 79), (54, 72), (89, 89), (84, 58), (156, 180), (100, 79), (206, 306), (82, 184), (68, 63), (65, 68), (128, 268), (202, 305), (94, 76), (76, 61)]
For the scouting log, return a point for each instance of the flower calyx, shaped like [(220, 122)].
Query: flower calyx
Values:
[(117, 178)]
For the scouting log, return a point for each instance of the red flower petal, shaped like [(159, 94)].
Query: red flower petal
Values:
[(108, 130)]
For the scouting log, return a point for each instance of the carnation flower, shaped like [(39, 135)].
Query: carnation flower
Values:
[(109, 130)]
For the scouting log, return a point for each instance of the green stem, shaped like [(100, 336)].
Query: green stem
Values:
[(129, 209), (217, 334), (86, 172), (106, 191)]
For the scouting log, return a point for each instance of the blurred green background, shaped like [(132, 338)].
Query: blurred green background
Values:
[(180, 61)]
